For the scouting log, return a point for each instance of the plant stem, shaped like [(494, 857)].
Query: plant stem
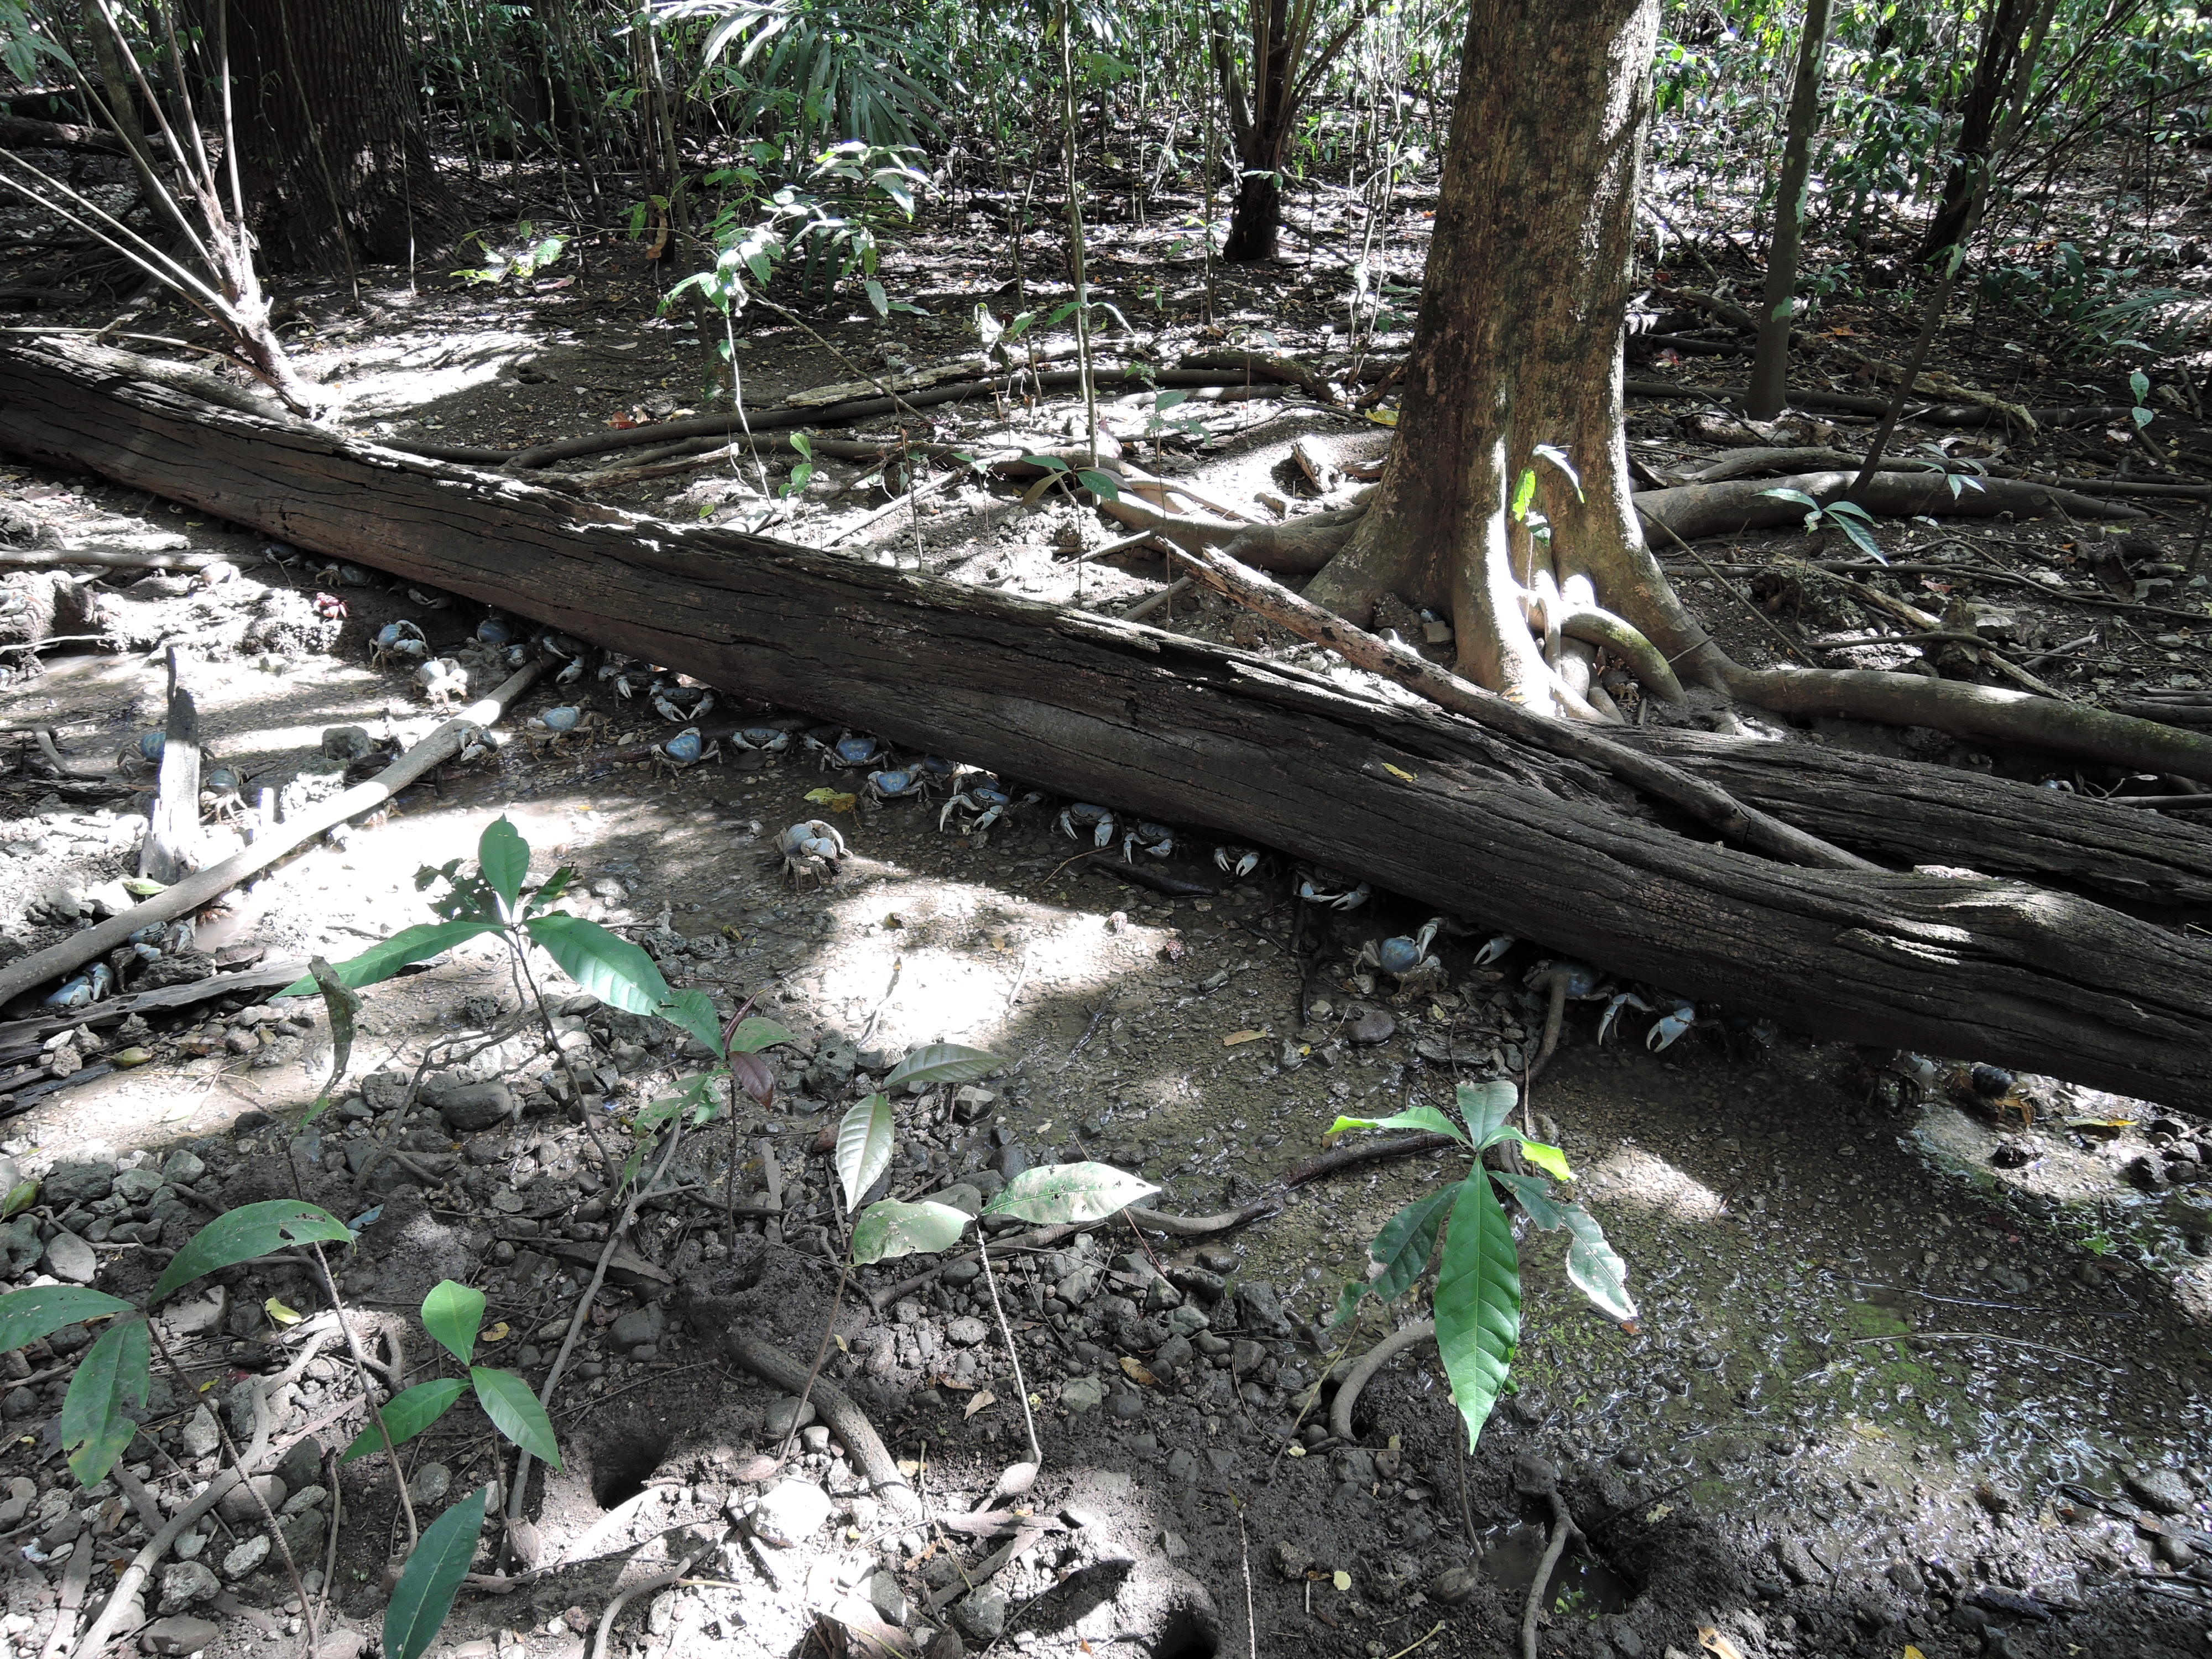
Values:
[(991, 1282), (360, 1375), (1075, 241)]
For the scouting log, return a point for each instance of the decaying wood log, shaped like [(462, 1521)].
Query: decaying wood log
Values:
[(1408, 797), (1725, 509)]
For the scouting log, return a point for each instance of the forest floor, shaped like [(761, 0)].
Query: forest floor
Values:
[(1907, 1374)]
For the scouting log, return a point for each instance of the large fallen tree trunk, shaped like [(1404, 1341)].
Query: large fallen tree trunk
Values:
[(1408, 797)]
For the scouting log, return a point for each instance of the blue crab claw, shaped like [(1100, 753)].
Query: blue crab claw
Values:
[(768, 739), (1321, 885), (1237, 862), (1156, 839), (1494, 947), (1079, 815), (430, 599), (1618, 1000), (570, 674), (1680, 1014), (89, 987)]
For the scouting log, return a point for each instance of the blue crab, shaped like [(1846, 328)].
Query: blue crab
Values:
[(1080, 814), (1154, 840), (766, 739), (849, 750), (145, 748), (1318, 884), (556, 725), (1235, 862), (628, 678), (985, 800), (478, 744), (89, 987), (444, 682), (895, 783), (812, 848), (682, 705), (401, 641), (1405, 957), (430, 599), (684, 751), (222, 793), (495, 631)]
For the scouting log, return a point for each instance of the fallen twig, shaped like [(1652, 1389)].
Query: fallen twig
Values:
[(198, 891), (1347, 1392)]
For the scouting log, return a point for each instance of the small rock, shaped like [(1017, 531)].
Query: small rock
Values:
[(1996, 1496), (299, 1469), (19, 1402), (1373, 1027), (239, 1507), (964, 1197), (789, 1513), (638, 1326), (178, 1634), (200, 1436), (983, 1613), (966, 1331), (430, 1484), (1454, 1585), (1532, 1477), (70, 1260), (2161, 1490), (1795, 1560), (247, 1557), (887, 1598), (185, 1584), (347, 742), (78, 1183), (785, 1415), (468, 1108), (1082, 1394), (1260, 1310)]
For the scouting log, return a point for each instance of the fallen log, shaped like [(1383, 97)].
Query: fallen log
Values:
[(1689, 511), (1409, 796)]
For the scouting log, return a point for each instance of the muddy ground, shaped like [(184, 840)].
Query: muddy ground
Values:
[(1911, 1371)]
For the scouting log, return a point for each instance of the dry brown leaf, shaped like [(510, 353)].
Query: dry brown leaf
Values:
[(986, 1398), (1138, 1374)]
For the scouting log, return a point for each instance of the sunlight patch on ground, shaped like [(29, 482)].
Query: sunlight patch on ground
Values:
[(399, 379), (1635, 1179)]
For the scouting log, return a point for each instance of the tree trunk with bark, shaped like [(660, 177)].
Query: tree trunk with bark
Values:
[(1284, 61), (2012, 41), (332, 154), (1769, 364), (1433, 807)]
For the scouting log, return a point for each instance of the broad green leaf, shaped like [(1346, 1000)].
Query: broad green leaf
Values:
[(1524, 494), (1406, 1241), (605, 965), (432, 1578), (694, 1012), (1548, 1158), (381, 962), (1055, 1193), (27, 1315), (1840, 510), (1797, 496), (20, 1197), (1863, 538), (892, 1229), (1485, 1106), (2139, 383), (1533, 1194), (1594, 1267), (342, 1004), (753, 1033), (515, 1412), (504, 858), (877, 297), (453, 1314), (942, 1063), (243, 1234), (110, 1382), (864, 1146), (407, 1414), (1477, 1303), (1348, 1303), (1104, 485), (1049, 463), (1414, 1117), (556, 884)]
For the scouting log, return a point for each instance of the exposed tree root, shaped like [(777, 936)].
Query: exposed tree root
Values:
[(845, 1420), (1564, 1530), (1347, 1392)]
